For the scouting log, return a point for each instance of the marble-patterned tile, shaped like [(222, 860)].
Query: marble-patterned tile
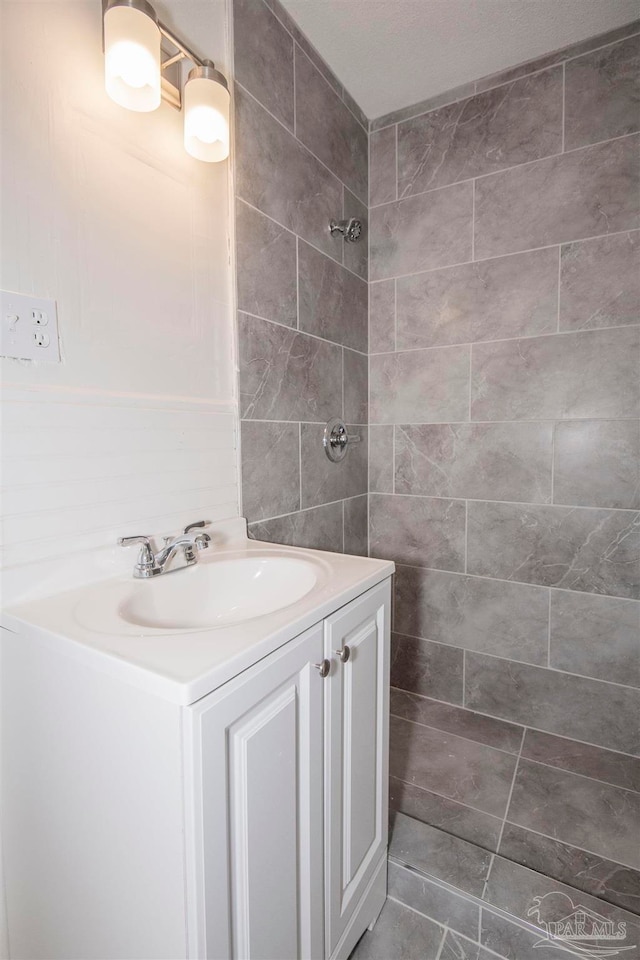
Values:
[(589, 710), (421, 233), (382, 166), (285, 375), (332, 301), (503, 619), (356, 528), (515, 942), (487, 132), (425, 668), (447, 815), (456, 947), (277, 175), (263, 58), (576, 548), (339, 141), (454, 719), (270, 468), (489, 461), (265, 267), (324, 481), (597, 463), (577, 375), (400, 934), (319, 529), (382, 316), (451, 766), (423, 106), (584, 193), (356, 255), (355, 108), (505, 297), (438, 854), (421, 386), (602, 94), (381, 459), (356, 387), (577, 810), (422, 531), (600, 282), (595, 636), (423, 895), (618, 769), (593, 874)]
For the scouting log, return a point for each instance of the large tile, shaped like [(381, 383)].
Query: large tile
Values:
[(585, 193), (514, 942), (276, 174), (356, 526), (595, 636), (421, 386), (448, 815), (430, 230), (320, 529), (505, 297), (382, 166), (400, 934), (266, 267), (324, 481), (356, 387), (332, 301), (355, 256), (329, 129), (438, 854), (505, 619), (263, 57), (489, 461), (593, 874), (456, 947), (270, 468), (424, 106), (285, 375), (451, 766), (426, 897), (602, 94), (597, 463), (600, 282), (589, 710), (577, 810), (487, 132), (617, 768), (417, 530), (576, 375), (429, 669), (382, 316), (456, 720), (381, 459), (596, 551)]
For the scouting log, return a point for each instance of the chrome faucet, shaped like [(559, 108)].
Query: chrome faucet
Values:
[(150, 564)]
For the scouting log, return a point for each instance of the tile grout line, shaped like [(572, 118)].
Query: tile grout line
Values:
[(564, 73), (549, 631), (473, 219), (304, 333), (509, 798), (510, 503), (300, 463), (445, 931)]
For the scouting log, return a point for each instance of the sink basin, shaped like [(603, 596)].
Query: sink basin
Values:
[(215, 593)]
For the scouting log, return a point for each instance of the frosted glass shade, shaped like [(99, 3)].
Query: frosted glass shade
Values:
[(132, 58), (206, 117)]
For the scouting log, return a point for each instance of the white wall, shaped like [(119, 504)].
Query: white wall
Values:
[(102, 209)]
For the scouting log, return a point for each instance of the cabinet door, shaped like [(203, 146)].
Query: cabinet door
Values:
[(356, 748), (255, 788)]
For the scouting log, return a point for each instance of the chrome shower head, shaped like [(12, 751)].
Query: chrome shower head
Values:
[(350, 229)]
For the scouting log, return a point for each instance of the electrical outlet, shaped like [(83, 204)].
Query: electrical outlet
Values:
[(22, 318)]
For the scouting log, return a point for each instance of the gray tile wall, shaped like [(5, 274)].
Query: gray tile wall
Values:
[(301, 160), (505, 460)]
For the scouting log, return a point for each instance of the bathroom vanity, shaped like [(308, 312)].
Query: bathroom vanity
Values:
[(199, 784)]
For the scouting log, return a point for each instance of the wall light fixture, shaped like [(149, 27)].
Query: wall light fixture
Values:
[(137, 69)]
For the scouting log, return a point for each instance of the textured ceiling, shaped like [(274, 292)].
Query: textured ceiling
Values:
[(392, 53)]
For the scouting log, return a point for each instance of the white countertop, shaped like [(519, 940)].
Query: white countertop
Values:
[(185, 666)]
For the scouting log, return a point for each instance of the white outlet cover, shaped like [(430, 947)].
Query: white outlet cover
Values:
[(23, 322)]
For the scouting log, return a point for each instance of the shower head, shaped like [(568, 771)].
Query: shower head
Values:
[(350, 229)]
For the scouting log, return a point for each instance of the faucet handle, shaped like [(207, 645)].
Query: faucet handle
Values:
[(192, 526), (125, 541), (146, 553)]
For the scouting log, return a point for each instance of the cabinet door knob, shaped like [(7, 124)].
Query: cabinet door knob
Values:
[(323, 668), (344, 653)]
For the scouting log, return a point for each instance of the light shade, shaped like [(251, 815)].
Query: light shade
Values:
[(132, 55), (206, 114)]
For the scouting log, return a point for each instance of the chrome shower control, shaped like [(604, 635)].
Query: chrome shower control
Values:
[(336, 439)]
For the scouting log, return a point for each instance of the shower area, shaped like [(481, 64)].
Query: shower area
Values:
[(480, 336)]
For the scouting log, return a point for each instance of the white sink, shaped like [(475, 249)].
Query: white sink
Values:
[(213, 593)]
